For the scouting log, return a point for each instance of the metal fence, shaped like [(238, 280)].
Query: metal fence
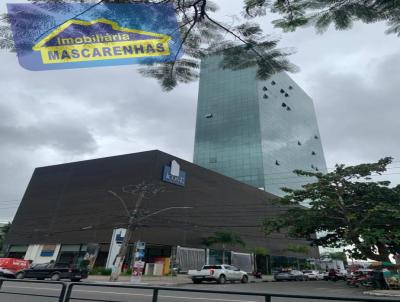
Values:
[(268, 297), (59, 296), (67, 290)]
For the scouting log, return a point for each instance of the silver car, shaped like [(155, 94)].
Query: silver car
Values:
[(292, 275)]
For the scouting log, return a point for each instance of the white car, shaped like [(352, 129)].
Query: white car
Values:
[(313, 275), (219, 273)]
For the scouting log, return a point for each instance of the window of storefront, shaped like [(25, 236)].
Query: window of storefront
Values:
[(152, 253), (101, 259), (17, 251), (279, 263), (71, 254), (215, 257)]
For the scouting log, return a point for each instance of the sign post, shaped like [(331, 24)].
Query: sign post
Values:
[(138, 263)]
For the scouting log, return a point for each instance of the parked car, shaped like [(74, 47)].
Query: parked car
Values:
[(313, 275), (53, 271), (10, 266), (335, 275), (219, 273), (292, 275)]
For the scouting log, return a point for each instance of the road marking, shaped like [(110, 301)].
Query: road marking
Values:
[(36, 288), (163, 296), (210, 299), (132, 294), (111, 293)]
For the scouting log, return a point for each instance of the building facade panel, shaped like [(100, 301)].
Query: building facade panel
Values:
[(227, 126), (74, 208), (289, 132), (255, 131)]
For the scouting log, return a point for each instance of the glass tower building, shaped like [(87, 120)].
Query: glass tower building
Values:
[(255, 131)]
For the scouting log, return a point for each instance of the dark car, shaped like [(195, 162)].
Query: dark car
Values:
[(53, 271), (292, 275)]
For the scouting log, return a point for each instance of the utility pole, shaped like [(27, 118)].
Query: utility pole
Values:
[(142, 190), (119, 260)]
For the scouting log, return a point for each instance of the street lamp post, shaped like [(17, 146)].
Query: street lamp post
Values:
[(133, 224)]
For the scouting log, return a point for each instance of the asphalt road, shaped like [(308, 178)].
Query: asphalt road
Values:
[(86, 293)]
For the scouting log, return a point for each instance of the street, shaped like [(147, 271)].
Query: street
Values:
[(84, 293)]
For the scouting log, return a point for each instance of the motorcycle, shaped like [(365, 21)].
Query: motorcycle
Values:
[(360, 278)]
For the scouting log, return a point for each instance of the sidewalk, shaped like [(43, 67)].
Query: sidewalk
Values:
[(161, 280), (146, 280), (383, 293)]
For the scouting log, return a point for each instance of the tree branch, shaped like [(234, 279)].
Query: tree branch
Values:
[(234, 34), (195, 18), (76, 16)]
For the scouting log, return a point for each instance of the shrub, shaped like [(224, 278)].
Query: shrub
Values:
[(100, 271), (128, 272)]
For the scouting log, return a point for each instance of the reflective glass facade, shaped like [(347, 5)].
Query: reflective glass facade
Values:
[(255, 131)]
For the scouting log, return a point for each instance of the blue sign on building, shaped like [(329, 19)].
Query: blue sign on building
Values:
[(173, 174), (119, 238)]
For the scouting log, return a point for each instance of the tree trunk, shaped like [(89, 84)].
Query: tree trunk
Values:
[(383, 252)]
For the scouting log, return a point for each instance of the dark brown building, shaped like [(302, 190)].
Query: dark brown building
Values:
[(67, 206)]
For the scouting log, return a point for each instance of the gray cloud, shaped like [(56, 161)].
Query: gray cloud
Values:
[(66, 137), (359, 113), (52, 117)]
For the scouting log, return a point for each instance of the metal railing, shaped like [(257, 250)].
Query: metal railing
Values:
[(60, 296), (156, 290), (67, 290)]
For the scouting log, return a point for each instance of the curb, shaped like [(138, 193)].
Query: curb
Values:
[(160, 282), (383, 293), (156, 284), (116, 282), (141, 283)]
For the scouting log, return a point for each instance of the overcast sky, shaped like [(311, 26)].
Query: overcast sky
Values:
[(60, 116)]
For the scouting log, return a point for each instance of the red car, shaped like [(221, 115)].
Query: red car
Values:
[(10, 266)]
